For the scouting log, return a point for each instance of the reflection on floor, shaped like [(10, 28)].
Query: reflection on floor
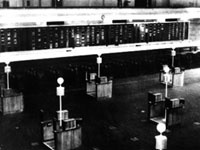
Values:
[(118, 124)]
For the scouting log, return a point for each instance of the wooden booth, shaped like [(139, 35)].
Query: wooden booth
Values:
[(99, 87), (11, 101), (156, 107), (166, 110), (176, 76), (61, 133), (174, 110)]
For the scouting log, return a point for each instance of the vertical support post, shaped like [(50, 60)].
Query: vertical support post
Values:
[(173, 53), (86, 76), (99, 61), (166, 91), (7, 70), (60, 106), (8, 87), (166, 69), (60, 92), (166, 94), (99, 69)]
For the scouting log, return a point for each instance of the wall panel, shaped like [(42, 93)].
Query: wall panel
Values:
[(194, 29), (183, 3), (95, 3), (75, 3), (16, 3), (46, 3), (162, 4), (132, 3), (101, 3), (111, 3), (1, 3), (31, 3)]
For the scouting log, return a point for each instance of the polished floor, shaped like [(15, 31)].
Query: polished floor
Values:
[(116, 124)]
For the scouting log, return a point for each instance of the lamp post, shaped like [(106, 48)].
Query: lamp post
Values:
[(7, 70), (99, 61), (161, 140), (166, 70), (173, 53), (60, 91)]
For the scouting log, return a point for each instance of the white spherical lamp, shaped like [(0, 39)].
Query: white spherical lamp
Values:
[(161, 127), (60, 80), (166, 69)]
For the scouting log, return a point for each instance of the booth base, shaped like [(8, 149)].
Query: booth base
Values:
[(158, 120), (50, 144), (11, 102), (99, 90)]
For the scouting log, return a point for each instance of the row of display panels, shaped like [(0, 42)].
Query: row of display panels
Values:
[(17, 39), (57, 3)]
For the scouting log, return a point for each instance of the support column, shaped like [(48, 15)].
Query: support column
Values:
[(60, 92), (7, 70), (166, 69), (12, 101), (99, 61), (173, 54)]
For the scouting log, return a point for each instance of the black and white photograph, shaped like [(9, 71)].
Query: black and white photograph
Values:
[(99, 74)]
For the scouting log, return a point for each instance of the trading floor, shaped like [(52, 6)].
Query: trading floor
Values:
[(110, 60), (119, 123)]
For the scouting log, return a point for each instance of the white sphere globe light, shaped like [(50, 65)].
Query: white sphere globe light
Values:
[(60, 80), (161, 127), (166, 68)]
